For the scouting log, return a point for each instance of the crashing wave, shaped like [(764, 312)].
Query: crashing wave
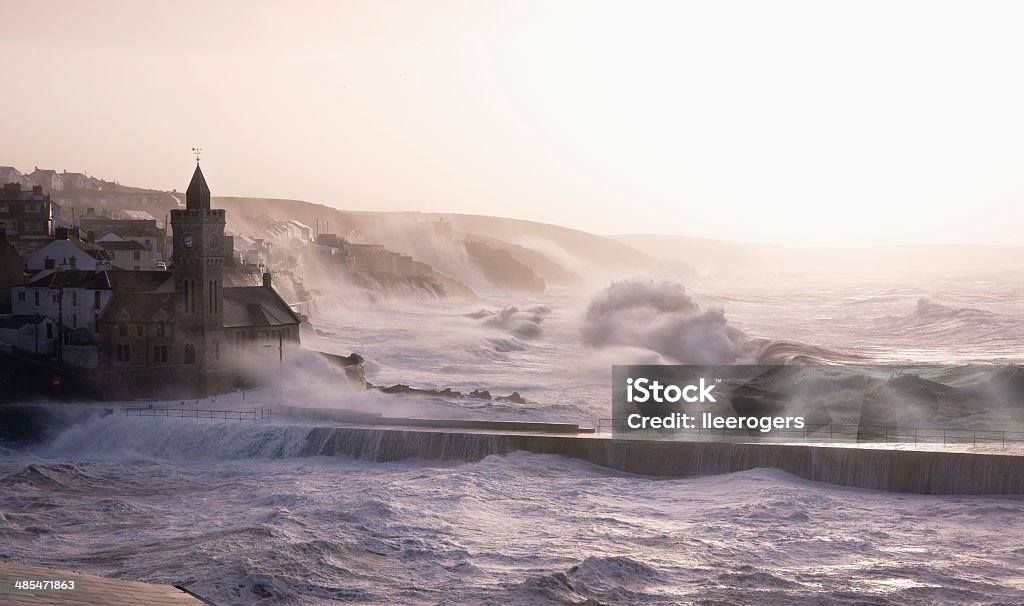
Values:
[(662, 317)]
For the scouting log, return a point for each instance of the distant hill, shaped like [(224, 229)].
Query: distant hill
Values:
[(558, 255)]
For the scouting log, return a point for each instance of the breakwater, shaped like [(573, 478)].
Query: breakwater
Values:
[(376, 438), (911, 471)]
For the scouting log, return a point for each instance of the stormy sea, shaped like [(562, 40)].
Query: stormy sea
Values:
[(241, 513)]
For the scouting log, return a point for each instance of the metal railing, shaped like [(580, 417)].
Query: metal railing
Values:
[(835, 432), (200, 414)]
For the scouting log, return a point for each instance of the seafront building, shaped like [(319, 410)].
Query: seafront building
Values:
[(96, 312)]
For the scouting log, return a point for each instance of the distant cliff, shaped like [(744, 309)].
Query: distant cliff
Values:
[(501, 269), (374, 267)]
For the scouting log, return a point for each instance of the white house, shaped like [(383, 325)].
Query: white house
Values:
[(68, 253), (128, 254), (75, 299), (148, 241)]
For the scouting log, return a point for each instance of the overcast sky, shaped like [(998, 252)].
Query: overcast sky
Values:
[(788, 122)]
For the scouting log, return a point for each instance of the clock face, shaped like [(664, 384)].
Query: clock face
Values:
[(188, 241), (213, 241)]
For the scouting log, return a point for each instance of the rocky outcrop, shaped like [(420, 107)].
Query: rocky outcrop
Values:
[(447, 392), (353, 365)]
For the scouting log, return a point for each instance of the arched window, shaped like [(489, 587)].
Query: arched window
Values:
[(190, 354)]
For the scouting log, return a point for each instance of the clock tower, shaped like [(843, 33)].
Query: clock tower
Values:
[(198, 267)]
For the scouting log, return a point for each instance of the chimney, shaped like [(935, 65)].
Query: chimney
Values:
[(61, 233), (267, 280), (74, 263), (49, 263)]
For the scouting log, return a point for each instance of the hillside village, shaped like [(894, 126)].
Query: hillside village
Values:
[(99, 281)]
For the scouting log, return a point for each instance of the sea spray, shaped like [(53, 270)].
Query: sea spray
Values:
[(660, 316)]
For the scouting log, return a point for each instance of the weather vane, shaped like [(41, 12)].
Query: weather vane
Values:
[(197, 151)]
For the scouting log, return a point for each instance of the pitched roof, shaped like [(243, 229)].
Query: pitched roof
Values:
[(49, 278), (256, 306), (141, 281), (138, 215), (121, 245), (139, 305)]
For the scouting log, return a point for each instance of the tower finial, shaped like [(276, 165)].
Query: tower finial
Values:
[(197, 151)]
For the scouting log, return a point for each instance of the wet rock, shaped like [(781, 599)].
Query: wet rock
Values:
[(514, 397)]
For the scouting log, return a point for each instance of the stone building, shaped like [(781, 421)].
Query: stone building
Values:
[(12, 271), (179, 332), (131, 225), (26, 214), (128, 254), (187, 331)]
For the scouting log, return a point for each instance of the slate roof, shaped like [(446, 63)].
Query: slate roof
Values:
[(140, 306), (122, 245), (72, 278), (256, 306), (124, 280)]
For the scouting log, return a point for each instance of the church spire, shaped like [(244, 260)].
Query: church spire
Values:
[(198, 194)]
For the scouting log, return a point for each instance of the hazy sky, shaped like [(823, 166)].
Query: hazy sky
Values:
[(787, 122)]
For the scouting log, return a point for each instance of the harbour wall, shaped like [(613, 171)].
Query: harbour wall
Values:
[(910, 471)]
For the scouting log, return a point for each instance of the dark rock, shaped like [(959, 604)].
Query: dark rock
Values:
[(513, 397), (399, 388), (480, 394)]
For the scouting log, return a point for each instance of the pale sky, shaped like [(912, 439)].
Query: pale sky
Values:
[(796, 123)]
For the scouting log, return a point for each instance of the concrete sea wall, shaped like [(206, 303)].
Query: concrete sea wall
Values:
[(881, 469)]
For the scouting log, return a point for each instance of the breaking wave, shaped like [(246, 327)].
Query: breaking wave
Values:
[(663, 318), (524, 324)]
